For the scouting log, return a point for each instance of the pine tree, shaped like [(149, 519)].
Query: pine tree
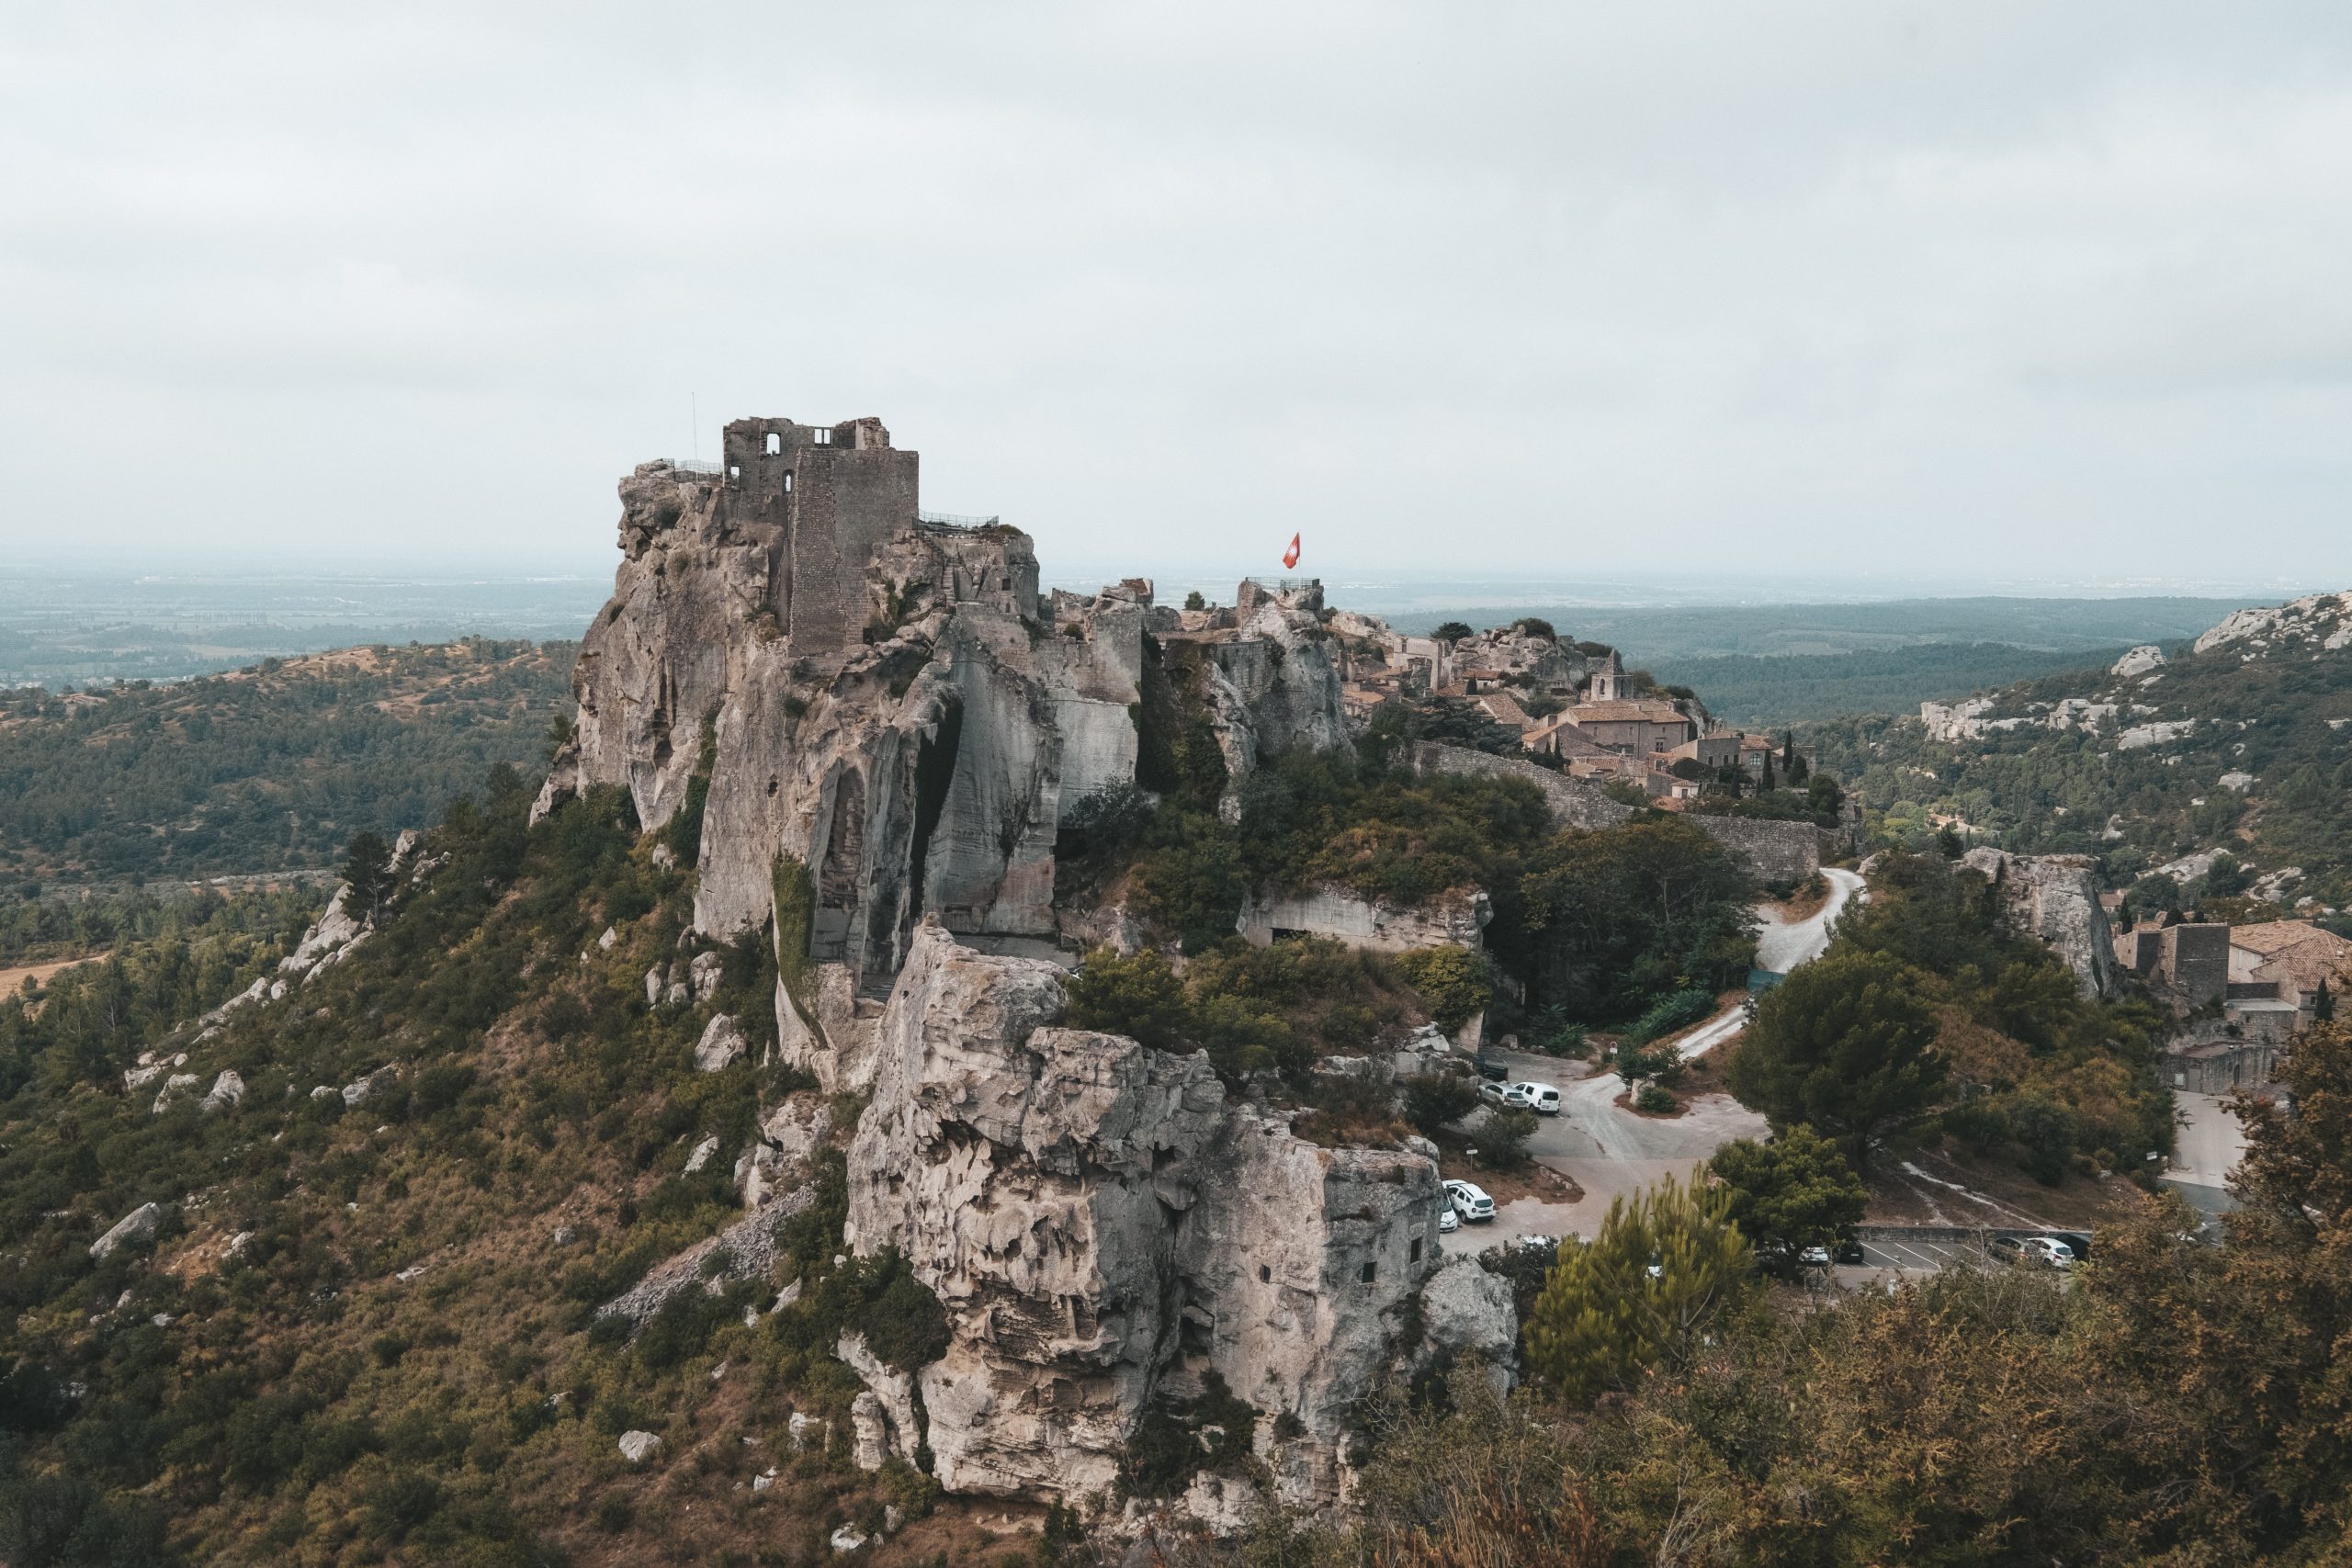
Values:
[(369, 871), (1663, 1268)]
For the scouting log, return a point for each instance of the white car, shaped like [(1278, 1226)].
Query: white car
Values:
[(1541, 1097), (2050, 1251), (1447, 1220), (1470, 1202), (1512, 1096)]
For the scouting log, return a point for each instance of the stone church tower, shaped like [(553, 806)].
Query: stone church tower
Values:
[(1608, 681)]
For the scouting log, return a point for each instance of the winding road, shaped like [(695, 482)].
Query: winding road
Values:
[(1608, 1150)]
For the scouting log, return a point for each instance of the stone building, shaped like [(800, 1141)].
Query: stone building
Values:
[(2287, 961), (1611, 717), (831, 495), (2191, 959)]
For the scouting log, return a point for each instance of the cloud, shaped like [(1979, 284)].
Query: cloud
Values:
[(1805, 287)]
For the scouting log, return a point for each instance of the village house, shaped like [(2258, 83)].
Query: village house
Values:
[(2287, 961), (1610, 716)]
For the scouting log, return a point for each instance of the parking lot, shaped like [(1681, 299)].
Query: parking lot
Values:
[(1921, 1254)]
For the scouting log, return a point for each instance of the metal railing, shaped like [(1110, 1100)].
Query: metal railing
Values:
[(698, 467), (953, 520)]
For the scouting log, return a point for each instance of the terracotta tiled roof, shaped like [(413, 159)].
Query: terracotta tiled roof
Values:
[(1503, 710), (2297, 950), (1627, 711)]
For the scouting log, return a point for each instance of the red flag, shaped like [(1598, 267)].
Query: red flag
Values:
[(1290, 556)]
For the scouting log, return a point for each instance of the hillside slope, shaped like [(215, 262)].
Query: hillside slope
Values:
[(267, 769), (2237, 746)]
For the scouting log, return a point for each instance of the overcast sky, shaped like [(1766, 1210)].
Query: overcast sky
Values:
[(1747, 288)]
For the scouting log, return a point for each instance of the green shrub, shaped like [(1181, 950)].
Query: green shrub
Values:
[(1670, 1013), (1434, 1101), (1455, 983), (1503, 1141)]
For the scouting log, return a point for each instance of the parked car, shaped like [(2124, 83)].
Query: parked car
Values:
[(1490, 1068), (1541, 1097), (1850, 1251), (1447, 1220), (1470, 1202), (2050, 1252), (1510, 1096), (1815, 1257), (2006, 1249)]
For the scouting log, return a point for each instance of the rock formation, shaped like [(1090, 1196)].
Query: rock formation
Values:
[(866, 725), (1105, 1226), (2055, 898)]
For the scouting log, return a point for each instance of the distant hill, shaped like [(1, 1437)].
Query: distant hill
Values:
[(2240, 743), (1775, 690), (269, 769)]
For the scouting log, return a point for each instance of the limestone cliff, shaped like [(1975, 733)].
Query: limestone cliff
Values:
[(881, 724), (2055, 898), (1105, 1226), (905, 734)]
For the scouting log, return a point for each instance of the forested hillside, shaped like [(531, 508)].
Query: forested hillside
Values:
[(1773, 690), (268, 768), (2244, 748)]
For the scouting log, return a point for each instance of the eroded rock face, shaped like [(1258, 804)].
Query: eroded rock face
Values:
[(910, 748), (1103, 1226), (2055, 898)]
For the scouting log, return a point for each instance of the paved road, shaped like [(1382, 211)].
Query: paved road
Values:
[(1781, 948), (1608, 1151)]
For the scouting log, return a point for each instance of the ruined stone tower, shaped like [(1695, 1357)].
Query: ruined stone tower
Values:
[(831, 495)]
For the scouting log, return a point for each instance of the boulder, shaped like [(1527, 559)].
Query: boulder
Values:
[(723, 1043), (638, 1447), (2139, 662), (704, 975), (870, 1431), (226, 1091), (895, 1390), (360, 1091), (176, 1087), (138, 1225), (701, 1153), (1464, 1308)]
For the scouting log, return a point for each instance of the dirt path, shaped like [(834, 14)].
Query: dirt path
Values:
[(12, 980)]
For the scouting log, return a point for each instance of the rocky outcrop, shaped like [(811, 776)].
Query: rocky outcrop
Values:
[(2316, 621), (138, 1225), (1458, 917), (2138, 661), (2055, 898), (1273, 685), (1103, 1226), (908, 750), (744, 1251)]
